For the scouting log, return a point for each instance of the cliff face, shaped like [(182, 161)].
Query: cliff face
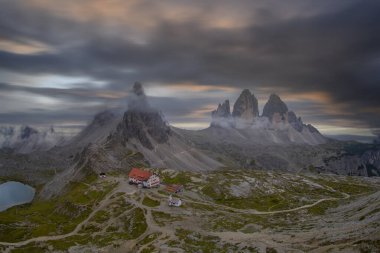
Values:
[(275, 106), (223, 110), (144, 126), (366, 164), (142, 122), (246, 106)]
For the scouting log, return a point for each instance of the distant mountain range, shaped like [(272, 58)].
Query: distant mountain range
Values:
[(26, 139), (277, 125), (275, 140)]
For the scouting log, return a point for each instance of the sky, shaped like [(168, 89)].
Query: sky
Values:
[(63, 61)]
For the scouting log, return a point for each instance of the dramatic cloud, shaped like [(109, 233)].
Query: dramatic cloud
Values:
[(322, 57)]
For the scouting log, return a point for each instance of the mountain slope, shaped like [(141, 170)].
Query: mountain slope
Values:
[(143, 129)]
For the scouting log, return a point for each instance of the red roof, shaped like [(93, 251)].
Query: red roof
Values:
[(138, 174), (174, 187)]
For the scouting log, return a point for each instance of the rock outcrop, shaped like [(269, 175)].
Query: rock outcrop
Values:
[(295, 122), (142, 122), (223, 110), (103, 118), (275, 108), (246, 106), (27, 132)]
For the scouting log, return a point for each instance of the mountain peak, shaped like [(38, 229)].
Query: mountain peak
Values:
[(27, 131), (137, 100), (246, 106), (142, 122), (138, 89), (274, 105), (223, 110)]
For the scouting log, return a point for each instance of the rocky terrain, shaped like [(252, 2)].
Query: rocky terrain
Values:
[(223, 211)]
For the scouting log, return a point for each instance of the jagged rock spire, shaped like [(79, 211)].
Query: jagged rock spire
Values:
[(223, 110), (138, 89), (274, 105), (141, 121), (137, 100), (246, 106)]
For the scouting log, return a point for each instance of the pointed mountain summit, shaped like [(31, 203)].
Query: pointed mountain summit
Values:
[(275, 106), (97, 130), (223, 110), (27, 132), (246, 106), (137, 100), (142, 122)]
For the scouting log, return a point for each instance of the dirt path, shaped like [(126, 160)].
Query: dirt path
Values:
[(120, 188), (132, 245), (253, 211), (123, 186)]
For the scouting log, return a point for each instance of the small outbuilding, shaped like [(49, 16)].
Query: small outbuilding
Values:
[(174, 202), (174, 188)]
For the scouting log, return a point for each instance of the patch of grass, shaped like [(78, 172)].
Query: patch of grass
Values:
[(161, 218), (347, 186), (223, 222), (180, 178), (149, 238), (191, 241), (89, 228), (101, 216), (270, 250), (250, 249), (150, 202), (258, 202), (135, 223), (368, 246), (376, 210), (148, 249), (68, 242), (31, 247), (321, 208)]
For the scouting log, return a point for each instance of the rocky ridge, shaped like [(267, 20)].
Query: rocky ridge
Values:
[(275, 116)]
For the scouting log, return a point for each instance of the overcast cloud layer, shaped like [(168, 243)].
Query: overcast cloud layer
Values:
[(62, 61)]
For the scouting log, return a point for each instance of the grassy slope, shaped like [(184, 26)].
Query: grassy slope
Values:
[(51, 217), (121, 221)]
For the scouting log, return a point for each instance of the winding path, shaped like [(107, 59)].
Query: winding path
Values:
[(101, 205), (253, 211), (123, 187)]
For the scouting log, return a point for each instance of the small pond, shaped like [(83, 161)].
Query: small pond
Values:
[(15, 193)]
